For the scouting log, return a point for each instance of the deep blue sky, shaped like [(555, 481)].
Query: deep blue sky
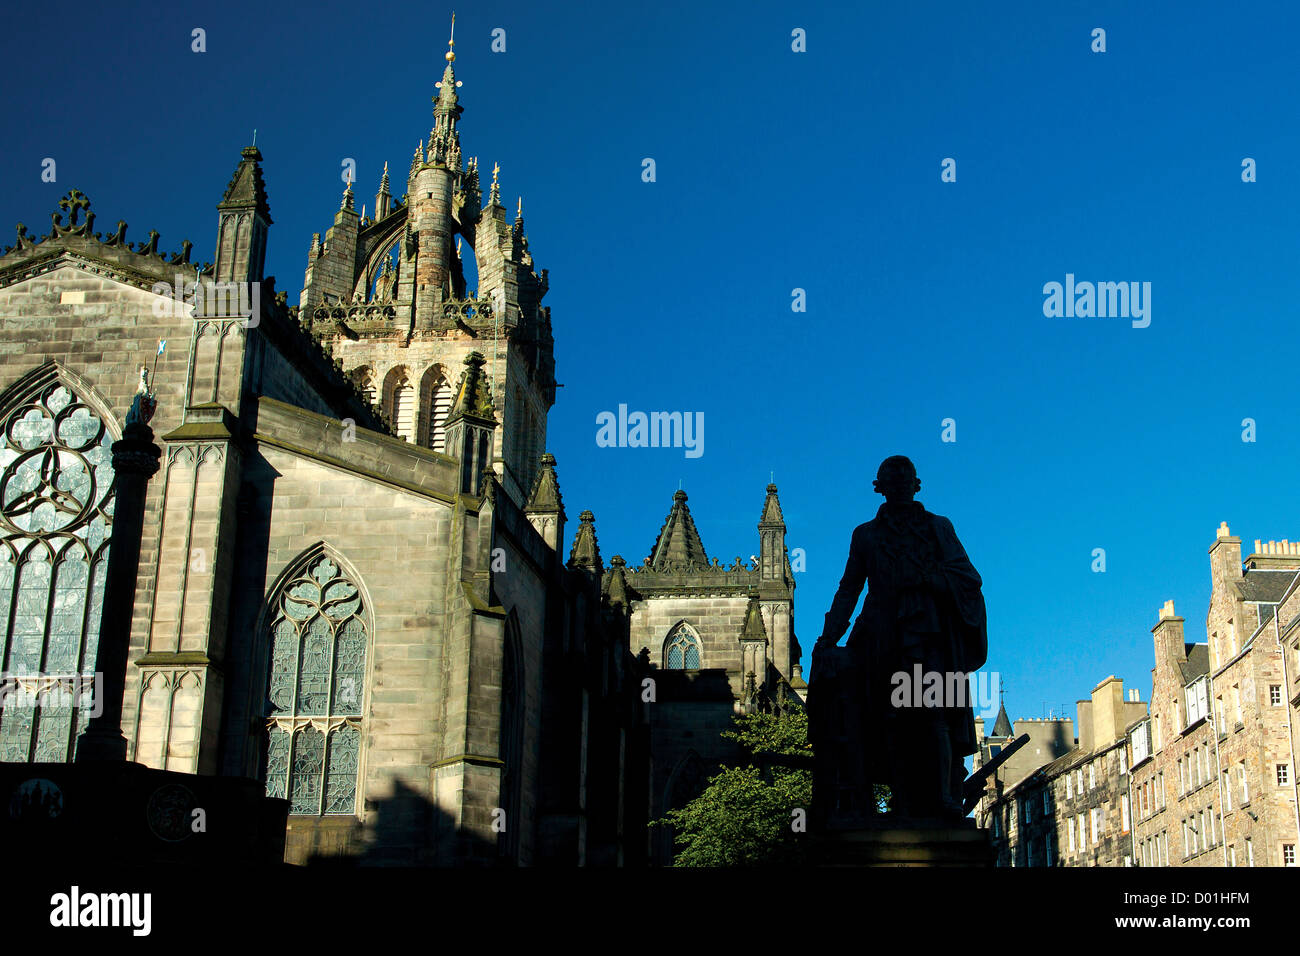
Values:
[(820, 171)]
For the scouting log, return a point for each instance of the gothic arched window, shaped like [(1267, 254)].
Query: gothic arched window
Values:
[(56, 506), (682, 649), (318, 661)]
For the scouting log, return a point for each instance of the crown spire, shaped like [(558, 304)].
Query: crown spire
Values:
[(444, 140), (446, 99)]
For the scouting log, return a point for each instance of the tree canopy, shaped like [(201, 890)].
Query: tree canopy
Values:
[(752, 815)]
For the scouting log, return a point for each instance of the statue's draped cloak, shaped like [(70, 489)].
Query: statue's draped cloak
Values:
[(942, 626)]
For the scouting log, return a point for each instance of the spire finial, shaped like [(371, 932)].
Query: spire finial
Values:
[(519, 210), (451, 44), (255, 139), (494, 196), (347, 192)]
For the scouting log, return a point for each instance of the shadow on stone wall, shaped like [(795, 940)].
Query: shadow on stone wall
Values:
[(405, 829)]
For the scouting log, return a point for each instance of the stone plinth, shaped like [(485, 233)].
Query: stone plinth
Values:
[(131, 814), (954, 845)]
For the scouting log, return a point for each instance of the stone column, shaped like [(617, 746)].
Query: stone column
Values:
[(135, 461)]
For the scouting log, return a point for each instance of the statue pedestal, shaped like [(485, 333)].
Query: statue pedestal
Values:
[(955, 845)]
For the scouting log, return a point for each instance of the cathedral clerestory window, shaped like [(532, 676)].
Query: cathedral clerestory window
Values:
[(682, 649), (318, 658), (56, 506)]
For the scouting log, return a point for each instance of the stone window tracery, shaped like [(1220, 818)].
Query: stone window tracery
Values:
[(319, 643), (682, 649), (56, 514)]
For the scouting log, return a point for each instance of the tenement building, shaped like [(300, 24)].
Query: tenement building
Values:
[(1049, 738), (358, 582), (1213, 767), (1073, 810), (1206, 776)]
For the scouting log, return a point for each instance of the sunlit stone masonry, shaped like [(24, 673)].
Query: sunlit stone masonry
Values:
[(355, 585)]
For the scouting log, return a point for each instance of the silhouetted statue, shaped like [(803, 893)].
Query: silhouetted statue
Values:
[(923, 620)]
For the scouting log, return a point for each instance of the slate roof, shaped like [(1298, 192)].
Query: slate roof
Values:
[(1267, 586), (1197, 663), (1067, 761), (1002, 726), (1064, 764)]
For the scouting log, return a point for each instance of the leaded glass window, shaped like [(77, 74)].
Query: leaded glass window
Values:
[(56, 514), (682, 649), (318, 658)]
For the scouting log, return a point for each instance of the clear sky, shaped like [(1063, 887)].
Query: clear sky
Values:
[(820, 171)]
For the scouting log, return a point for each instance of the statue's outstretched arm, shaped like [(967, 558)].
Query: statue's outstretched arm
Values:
[(846, 596)]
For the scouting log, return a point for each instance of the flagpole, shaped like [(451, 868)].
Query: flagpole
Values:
[(162, 344)]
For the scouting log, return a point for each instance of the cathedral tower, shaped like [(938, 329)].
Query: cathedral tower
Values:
[(389, 297)]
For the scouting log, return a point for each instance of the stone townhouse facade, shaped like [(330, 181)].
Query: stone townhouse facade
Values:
[(1075, 809), (1207, 773), (353, 582), (1216, 783), (1174, 785)]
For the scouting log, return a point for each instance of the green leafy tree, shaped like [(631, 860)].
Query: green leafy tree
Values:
[(753, 815)]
